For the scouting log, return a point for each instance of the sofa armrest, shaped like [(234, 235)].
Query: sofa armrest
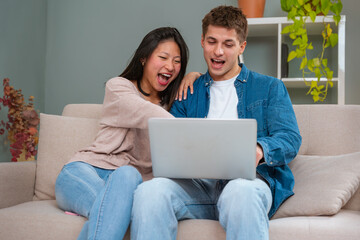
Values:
[(17, 182)]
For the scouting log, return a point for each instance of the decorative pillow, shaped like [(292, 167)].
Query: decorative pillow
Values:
[(323, 184), (59, 138)]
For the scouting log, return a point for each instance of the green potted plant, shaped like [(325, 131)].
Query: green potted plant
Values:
[(299, 11)]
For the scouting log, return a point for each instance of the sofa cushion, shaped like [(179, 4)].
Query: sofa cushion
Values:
[(38, 220), (343, 225), (59, 138), (323, 184), (354, 202)]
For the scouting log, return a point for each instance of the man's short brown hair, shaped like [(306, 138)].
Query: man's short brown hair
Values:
[(229, 17)]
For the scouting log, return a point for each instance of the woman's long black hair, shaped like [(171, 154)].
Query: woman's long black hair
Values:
[(134, 70)]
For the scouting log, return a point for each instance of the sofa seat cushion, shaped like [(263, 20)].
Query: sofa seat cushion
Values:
[(343, 225), (323, 184), (200, 229), (41, 220)]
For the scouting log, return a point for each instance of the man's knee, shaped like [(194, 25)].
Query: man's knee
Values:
[(246, 193), (152, 194)]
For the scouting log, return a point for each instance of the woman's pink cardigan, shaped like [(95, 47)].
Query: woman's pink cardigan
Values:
[(123, 137)]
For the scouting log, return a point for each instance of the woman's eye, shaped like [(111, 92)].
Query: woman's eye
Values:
[(177, 61), (162, 57)]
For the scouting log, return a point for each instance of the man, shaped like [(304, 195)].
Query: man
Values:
[(227, 90)]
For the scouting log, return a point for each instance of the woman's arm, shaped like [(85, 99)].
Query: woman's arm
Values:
[(124, 107)]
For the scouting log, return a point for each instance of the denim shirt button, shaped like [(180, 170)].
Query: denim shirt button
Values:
[(271, 163)]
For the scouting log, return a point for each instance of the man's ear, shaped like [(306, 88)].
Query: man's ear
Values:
[(202, 40), (242, 47)]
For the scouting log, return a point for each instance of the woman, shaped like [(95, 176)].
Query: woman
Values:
[(99, 181)]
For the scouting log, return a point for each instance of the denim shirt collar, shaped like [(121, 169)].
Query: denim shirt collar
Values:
[(242, 77)]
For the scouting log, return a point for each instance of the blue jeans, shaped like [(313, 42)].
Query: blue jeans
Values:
[(240, 205), (103, 196)]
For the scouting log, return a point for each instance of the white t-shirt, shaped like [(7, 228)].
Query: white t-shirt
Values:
[(223, 100)]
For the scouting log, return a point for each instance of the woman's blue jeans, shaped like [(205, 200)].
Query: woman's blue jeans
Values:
[(103, 196), (240, 205)]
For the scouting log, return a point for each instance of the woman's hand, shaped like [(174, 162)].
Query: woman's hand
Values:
[(186, 83)]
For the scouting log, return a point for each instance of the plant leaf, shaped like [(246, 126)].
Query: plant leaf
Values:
[(328, 30), (333, 39), (315, 2), (324, 5), (286, 30), (316, 62), (329, 74), (308, 7), (312, 15), (284, 6), (300, 53), (324, 62), (310, 46), (337, 19), (303, 63), (318, 73), (291, 56), (301, 12), (310, 65), (337, 8), (297, 41), (315, 95)]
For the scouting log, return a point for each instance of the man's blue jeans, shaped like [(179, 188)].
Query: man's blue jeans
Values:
[(240, 205), (104, 196)]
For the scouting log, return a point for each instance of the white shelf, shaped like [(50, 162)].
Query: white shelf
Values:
[(299, 82), (272, 27)]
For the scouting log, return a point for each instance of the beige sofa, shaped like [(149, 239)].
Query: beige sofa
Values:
[(326, 204)]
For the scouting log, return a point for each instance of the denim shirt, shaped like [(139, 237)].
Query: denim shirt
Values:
[(265, 99)]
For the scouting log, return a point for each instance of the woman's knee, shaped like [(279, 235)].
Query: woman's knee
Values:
[(76, 187), (128, 175)]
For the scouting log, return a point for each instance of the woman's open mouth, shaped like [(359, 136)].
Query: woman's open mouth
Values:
[(163, 78)]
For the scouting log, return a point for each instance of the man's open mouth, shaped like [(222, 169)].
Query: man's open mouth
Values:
[(217, 63)]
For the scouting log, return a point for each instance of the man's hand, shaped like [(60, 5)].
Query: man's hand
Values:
[(186, 83), (259, 154)]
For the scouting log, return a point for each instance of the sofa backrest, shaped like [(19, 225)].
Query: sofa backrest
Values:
[(328, 129), (83, 110), (325, 129)]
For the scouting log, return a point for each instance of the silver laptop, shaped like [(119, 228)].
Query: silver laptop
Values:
[(203, 148)]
